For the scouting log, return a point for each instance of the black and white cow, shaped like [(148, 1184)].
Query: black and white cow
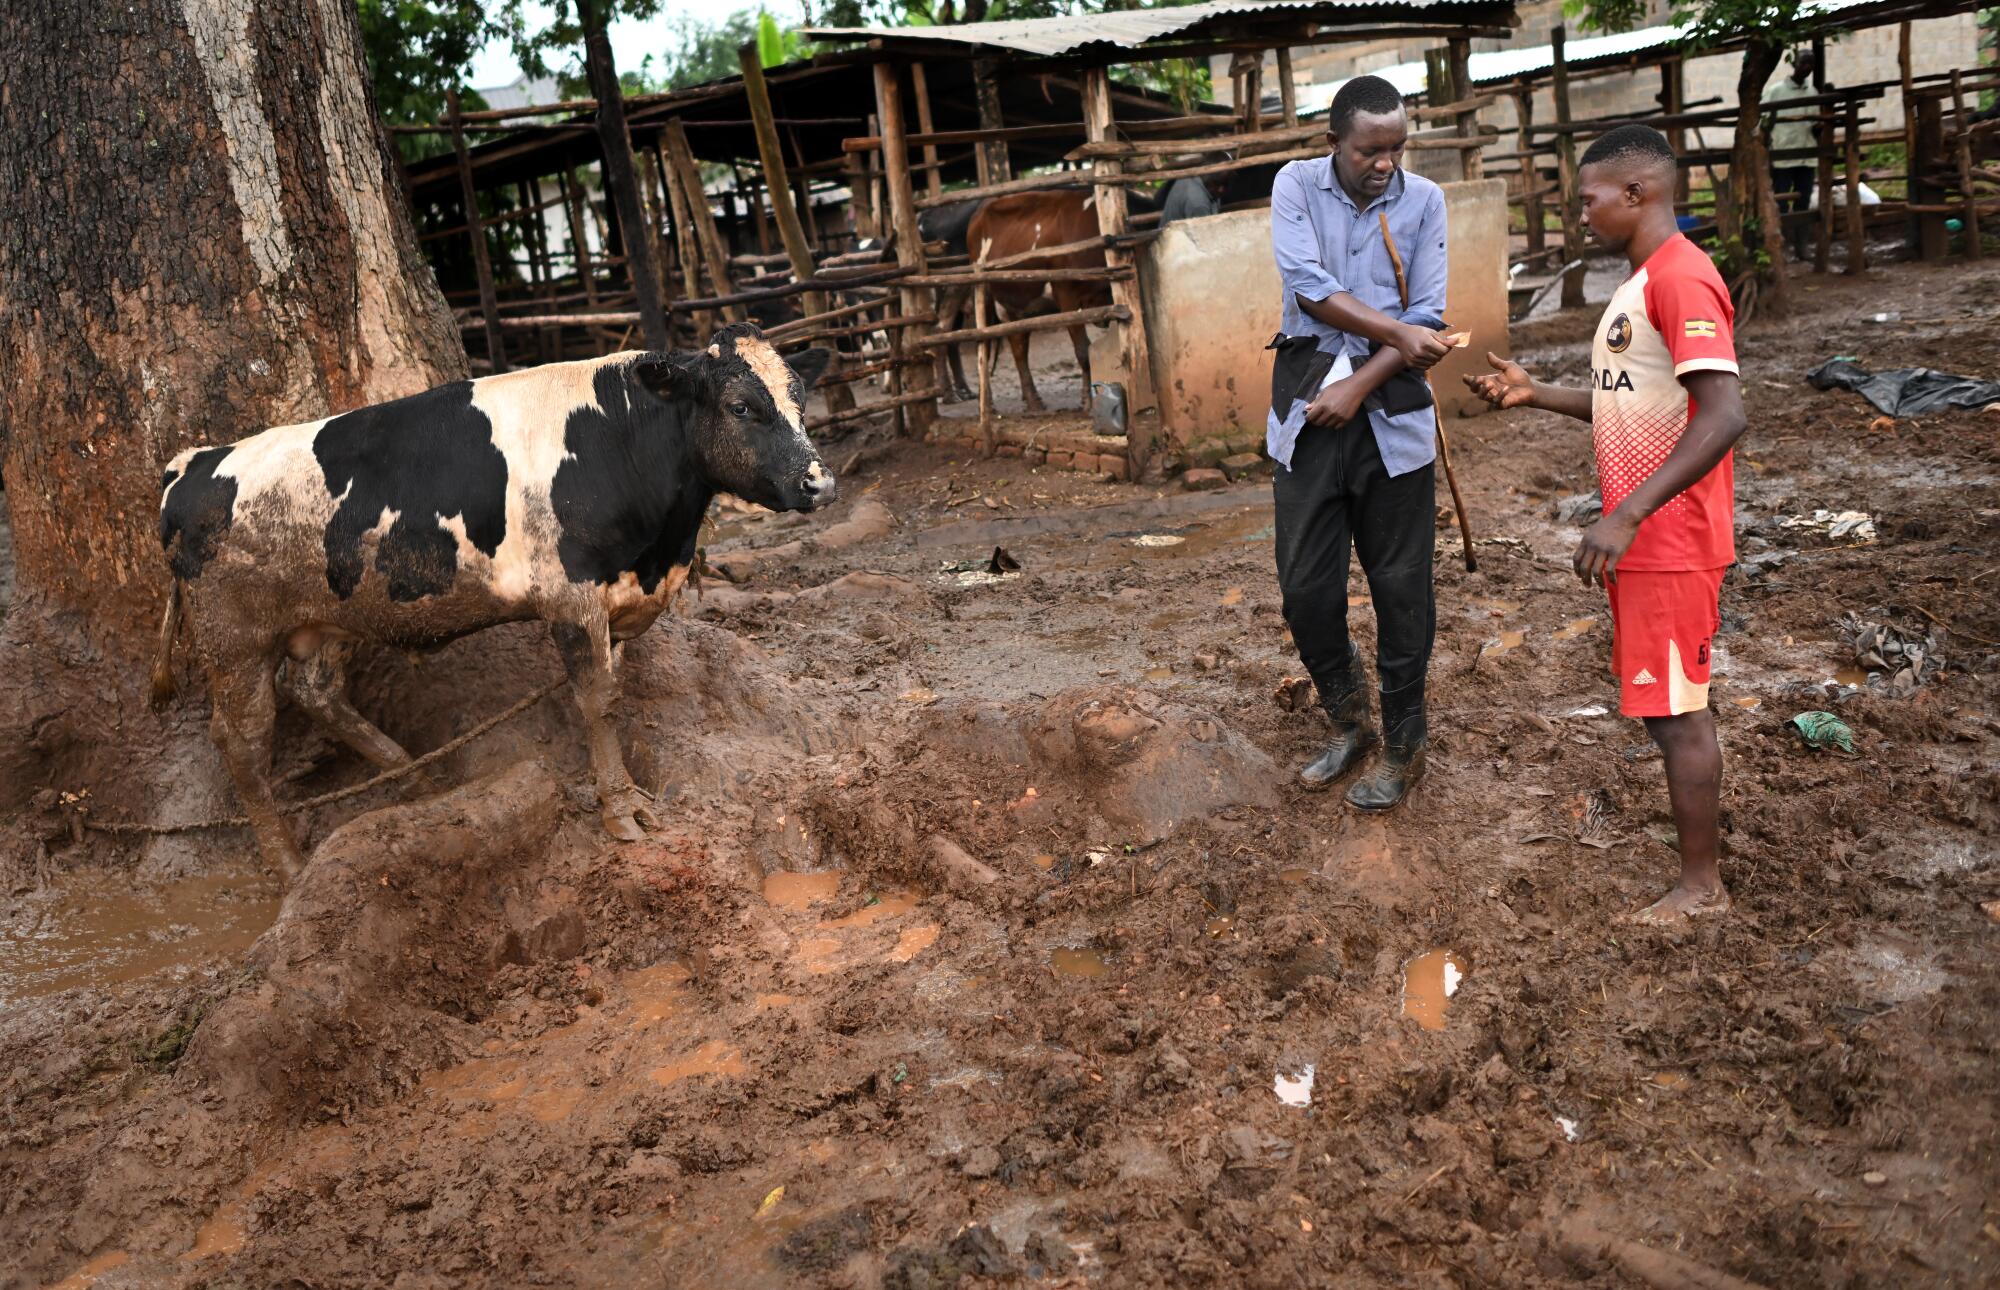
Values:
[(571, 493)]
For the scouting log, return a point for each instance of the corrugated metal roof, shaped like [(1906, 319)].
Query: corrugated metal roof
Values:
[(1129, 29), (1492, 66)]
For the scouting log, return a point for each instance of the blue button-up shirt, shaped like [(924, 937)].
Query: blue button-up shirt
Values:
[(1324, 246)]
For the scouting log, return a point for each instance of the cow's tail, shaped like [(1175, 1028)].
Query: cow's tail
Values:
[(163, 660)]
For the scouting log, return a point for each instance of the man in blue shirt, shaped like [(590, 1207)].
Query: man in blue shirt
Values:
[(1351, 425)]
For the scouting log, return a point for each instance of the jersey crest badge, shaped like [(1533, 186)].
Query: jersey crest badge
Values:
[(1620, 334)]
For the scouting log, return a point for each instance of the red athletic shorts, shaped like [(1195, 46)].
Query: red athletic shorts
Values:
[(1662, 625)]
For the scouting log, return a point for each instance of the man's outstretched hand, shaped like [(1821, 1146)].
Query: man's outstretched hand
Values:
[(1508, 386)]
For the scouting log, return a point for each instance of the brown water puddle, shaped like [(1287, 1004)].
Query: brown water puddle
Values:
[(1852, 674), (1294, 875), (1233, 596), (1429, 981), (88, 1274), (502, 1080), (1045, 862), (1577, 627), (1202, 539), (890, 906), (98, 929), (716, 1057), (657, 993), (912, 942), (1508, 641), (1674, 1080), (1748, 701), (1221, 927), (816, 954), (1159, 674), (1080, 962), (786, 890), (1498, 608)]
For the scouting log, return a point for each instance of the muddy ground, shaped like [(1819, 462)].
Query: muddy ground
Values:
[(989, 942)]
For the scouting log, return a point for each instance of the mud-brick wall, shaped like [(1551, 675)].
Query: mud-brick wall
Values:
[(1212, 304)]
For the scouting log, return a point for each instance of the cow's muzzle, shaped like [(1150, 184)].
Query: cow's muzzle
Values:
[(820, 486)]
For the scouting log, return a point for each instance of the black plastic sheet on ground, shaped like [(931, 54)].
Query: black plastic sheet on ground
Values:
[(1905, 391)]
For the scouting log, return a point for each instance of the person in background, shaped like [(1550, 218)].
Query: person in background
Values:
[(1351, 426), (1193, 198), (1665, 409), (1792, 178)]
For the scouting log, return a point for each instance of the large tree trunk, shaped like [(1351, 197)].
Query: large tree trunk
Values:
[(1750, 181), (201, 235)]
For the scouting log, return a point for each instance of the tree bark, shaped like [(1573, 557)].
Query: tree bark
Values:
[(1750, 181), (202, 234)]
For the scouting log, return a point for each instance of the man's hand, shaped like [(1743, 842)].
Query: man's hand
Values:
[(1337, 404), (1604, 545), (1420, 347), (1509, 386)]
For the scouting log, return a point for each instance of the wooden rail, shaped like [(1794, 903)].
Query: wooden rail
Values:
[(1020, 326)]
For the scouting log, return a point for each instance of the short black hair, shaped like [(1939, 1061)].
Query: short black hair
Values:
[(1370, 94), (1631, 145)]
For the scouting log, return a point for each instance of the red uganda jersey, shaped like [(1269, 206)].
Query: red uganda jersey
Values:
[(1670, 318)]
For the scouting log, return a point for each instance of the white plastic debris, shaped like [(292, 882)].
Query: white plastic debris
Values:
[(1295, 1090), (1590, 710), (1568, 1127), (1452, 976), (1158, 539), (1839, 526)]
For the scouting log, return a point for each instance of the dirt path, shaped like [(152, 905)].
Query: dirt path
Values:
[(990, 941)]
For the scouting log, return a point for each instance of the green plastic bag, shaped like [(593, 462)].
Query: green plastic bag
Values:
[(1824, 730)]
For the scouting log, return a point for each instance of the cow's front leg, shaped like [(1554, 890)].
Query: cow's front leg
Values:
[(243, 722), (586, 654)]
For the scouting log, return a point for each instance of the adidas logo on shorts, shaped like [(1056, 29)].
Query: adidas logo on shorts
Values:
[(1644, 678)]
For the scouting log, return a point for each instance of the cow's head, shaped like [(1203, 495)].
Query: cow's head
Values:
[(748, 436)]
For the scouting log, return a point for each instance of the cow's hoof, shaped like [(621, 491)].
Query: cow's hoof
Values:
[(628, 816)]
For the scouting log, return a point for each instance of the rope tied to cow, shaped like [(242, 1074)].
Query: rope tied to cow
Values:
[(77, 805)]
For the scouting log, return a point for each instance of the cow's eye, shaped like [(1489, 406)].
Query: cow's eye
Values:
[(739, 409)]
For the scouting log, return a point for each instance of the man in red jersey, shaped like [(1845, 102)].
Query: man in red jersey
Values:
[(1665, 409)]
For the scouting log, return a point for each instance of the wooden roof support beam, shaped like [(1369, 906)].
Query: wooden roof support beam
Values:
[(642, 243)]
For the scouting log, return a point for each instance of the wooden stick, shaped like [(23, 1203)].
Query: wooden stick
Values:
[(987, 429), (981, 277), (496, 344), (1045, 322), (1972, 247), (1437, 413)]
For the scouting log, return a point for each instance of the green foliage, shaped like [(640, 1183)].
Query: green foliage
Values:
[(1709, 21), (416, 51)]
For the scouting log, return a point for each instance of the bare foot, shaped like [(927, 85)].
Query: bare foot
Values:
[(1680, 904)]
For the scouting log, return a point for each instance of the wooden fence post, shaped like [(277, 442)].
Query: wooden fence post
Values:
[(1965, 188), (988, 433), (1857, 241), (1673, 94), (621, 177), (489, 303), (1531, 200), (1109, 199), (1458, 55), (1823, 232), (1288, 90), (778, 183), (681, 157), (1572, 288), (1932, 237), (933, 176), (909, 242), (986, 90)]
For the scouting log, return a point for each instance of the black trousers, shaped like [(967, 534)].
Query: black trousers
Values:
[(1338, 496), (1793, 187)]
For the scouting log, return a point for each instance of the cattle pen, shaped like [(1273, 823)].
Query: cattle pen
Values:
[(752, 199)]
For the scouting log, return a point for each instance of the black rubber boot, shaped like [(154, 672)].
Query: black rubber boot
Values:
[(1348, 710), (1402, 759)]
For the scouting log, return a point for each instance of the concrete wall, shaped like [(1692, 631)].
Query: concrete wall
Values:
[(1212, 304)]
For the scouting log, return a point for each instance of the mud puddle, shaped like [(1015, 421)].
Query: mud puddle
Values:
[(1086, 962), (1429, 982), (102, 929)]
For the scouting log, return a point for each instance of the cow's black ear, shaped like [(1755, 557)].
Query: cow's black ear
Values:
[(810, 365), (665, 377)]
